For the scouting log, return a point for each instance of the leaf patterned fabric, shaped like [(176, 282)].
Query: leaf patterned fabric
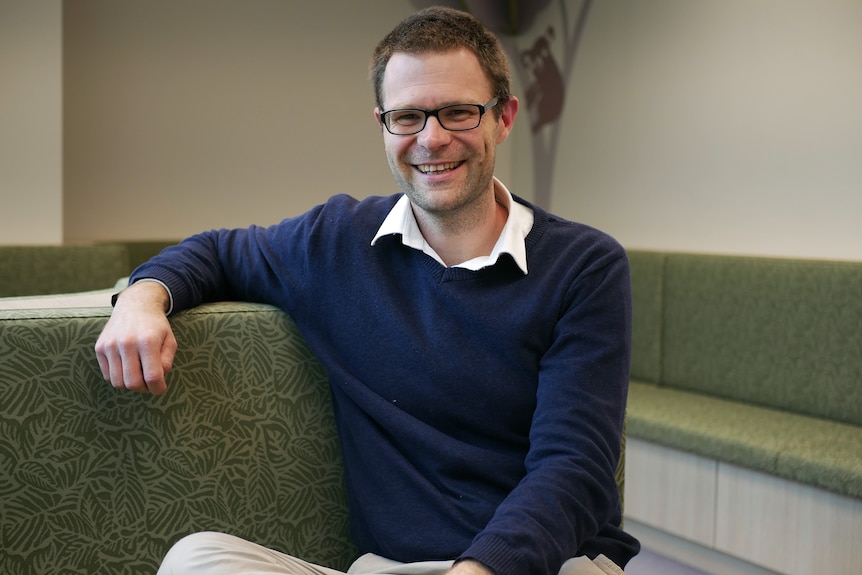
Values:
[(95, 480)]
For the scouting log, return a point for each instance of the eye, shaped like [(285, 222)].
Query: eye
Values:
[(406, 117), (460, 114)]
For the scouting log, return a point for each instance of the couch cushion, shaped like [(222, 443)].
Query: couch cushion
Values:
[(813, 451), (770, 332)]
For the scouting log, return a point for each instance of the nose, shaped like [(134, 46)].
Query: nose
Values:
[(433, 135)]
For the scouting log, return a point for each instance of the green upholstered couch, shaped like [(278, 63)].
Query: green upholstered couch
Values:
[(752, 361), (98, 480), (103, 481), (95, 480)]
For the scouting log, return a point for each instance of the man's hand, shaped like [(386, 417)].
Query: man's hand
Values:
[(469, 567), (137, 347)]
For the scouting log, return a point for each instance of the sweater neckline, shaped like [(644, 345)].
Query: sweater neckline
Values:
[(442, 273)]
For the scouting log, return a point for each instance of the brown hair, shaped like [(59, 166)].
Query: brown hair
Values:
[(440, 29)]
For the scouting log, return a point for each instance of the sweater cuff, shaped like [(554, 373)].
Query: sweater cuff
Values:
[(498, 555)]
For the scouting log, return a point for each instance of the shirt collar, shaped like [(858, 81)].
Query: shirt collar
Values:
[(401, 221)]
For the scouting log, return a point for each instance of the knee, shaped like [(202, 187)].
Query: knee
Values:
[(191, 555)]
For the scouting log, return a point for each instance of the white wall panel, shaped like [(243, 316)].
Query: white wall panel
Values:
[(786, 526), (671, 490)]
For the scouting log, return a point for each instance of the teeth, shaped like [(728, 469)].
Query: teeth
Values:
[(429, 169)]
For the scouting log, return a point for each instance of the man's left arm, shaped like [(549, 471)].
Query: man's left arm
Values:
[(569, 492)]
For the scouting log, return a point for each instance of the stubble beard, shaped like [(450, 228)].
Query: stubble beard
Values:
[(459, 207)]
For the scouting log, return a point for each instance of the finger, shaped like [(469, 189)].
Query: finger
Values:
[(115, 367), (112, 368), (156, 385), (169, 350), (106, 356), (153, 373), (104, 364), (156, 362), (131, 374), (109, 358)]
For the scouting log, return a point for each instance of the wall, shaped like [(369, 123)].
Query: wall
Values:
[(730, 127), (31, 167), (713, 126), (188, 115)]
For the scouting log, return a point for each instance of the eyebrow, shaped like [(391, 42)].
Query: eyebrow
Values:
[(443, 105)]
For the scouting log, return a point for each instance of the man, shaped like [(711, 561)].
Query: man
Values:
[(477, 346)]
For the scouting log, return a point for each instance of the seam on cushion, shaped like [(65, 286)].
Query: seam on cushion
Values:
[(662, 317)]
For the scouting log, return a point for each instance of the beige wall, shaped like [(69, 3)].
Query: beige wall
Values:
[(712, 126), (732, 126), (186, 115), (31, 166)]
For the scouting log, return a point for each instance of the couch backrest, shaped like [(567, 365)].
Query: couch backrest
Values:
[(95, 480), (37, 270), (647, 272), (140, 251), (40, 270), (776, 332)]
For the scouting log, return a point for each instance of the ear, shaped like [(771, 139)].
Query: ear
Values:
[(377, 116), (507, 118)]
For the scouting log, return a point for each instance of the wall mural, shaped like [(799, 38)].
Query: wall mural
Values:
[(541, 39)]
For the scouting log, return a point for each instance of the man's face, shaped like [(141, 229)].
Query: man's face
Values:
[(463, 161)]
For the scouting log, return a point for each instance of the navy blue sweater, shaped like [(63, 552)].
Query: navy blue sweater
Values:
[(479, 412)]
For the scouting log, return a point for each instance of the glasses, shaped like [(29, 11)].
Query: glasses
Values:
[(455, 118)]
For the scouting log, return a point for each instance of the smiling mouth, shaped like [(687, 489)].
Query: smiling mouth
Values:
[(437, 168)]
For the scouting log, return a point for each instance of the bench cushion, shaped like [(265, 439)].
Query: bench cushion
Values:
[(801, 448)]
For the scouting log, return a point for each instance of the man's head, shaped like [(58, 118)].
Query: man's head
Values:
[(439, 29), (436, 73)]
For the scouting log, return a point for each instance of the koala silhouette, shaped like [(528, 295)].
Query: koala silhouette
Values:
[(545, 91)]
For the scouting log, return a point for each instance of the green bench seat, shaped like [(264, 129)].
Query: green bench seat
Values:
[(751, 361)]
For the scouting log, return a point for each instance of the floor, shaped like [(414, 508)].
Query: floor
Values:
[(649, 563)]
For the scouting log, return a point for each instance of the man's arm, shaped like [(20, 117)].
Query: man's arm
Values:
[(569, 493), (137, 346)]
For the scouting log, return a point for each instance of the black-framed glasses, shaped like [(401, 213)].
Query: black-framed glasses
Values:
[(455, 118)]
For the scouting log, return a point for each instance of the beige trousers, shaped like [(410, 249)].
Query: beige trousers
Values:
[(210, 553)]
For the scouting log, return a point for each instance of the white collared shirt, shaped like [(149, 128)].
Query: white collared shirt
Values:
[(511, 241)]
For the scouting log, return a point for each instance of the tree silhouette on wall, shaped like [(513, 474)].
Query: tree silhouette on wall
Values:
[(542, 73)]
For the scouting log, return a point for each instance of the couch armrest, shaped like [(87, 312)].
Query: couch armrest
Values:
[(95, 479)]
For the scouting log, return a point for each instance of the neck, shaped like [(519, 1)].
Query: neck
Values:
[(468, 234)]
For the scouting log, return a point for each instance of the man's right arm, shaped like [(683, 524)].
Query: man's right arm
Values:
[(137, 346)]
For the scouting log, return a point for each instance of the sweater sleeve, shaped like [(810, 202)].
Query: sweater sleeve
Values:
[(254, 264), (569, 493), (191, 271)]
